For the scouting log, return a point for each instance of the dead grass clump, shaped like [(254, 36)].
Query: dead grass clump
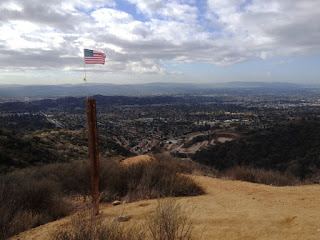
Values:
[(84, 227), (169, 222), (268, 177)]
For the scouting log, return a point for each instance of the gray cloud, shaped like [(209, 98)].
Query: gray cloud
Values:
[(51, 34)]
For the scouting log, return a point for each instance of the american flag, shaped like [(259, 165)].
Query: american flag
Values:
[(93, 57)]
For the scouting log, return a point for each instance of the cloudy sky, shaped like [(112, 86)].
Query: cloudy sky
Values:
[(42, 41)]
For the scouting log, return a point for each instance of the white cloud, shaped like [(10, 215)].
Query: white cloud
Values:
[(86, 4), (147, 6), (174, 9), (145, 66), (107, 16), (225, 7), (11, 6), (270, 28), (182, 12), (46, 34)]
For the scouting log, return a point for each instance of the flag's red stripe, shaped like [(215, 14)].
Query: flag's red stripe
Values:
[(93, 60)]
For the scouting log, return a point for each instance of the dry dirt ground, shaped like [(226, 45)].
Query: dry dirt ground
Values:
[(229, 210), (220, 137)]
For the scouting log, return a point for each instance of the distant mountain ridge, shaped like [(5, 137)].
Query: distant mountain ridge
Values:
[(158, 88)]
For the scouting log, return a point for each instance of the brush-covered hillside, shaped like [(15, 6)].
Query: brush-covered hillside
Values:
[(289, 147), (37, 195), (20, 150)]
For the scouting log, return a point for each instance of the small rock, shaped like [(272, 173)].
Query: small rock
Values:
[(124, 218), (115, 203)]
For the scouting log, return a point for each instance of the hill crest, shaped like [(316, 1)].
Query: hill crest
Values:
[(229, 210)]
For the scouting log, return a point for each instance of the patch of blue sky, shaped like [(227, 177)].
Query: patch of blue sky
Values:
[(125, 6), (201, 5), (244, 5), (203, 13), (83, 10), (208, 25), (120, 5), (88, 11)]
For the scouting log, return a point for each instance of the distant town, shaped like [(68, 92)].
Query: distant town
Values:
[(143, 124)]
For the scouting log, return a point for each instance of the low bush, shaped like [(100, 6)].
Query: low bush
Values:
[(27, 202), (157, 179), (38, 195), (268, 177)]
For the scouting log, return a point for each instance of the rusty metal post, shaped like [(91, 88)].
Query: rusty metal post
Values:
[(94, 153)]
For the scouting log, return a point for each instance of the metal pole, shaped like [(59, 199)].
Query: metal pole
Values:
[(94, 153), (85, 77)]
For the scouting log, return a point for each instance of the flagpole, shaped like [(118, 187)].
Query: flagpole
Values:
[(92, 146), (93, 57), (85, 76)]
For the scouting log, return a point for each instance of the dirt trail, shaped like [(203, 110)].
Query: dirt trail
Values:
[(230, 210)]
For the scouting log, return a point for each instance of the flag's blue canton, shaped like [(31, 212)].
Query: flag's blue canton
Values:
[(88, 53)]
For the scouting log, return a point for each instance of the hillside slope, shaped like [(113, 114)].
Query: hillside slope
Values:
[(18, 150), (292, 147), (230, 210)]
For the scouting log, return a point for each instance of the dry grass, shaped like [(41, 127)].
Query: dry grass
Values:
[(136, 159), (85, 227), (230, 210), (168, 222)]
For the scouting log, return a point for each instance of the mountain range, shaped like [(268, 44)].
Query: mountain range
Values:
[(159, 88)]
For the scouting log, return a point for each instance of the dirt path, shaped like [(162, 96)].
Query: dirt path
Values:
[(231, 210), (220, 137)]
